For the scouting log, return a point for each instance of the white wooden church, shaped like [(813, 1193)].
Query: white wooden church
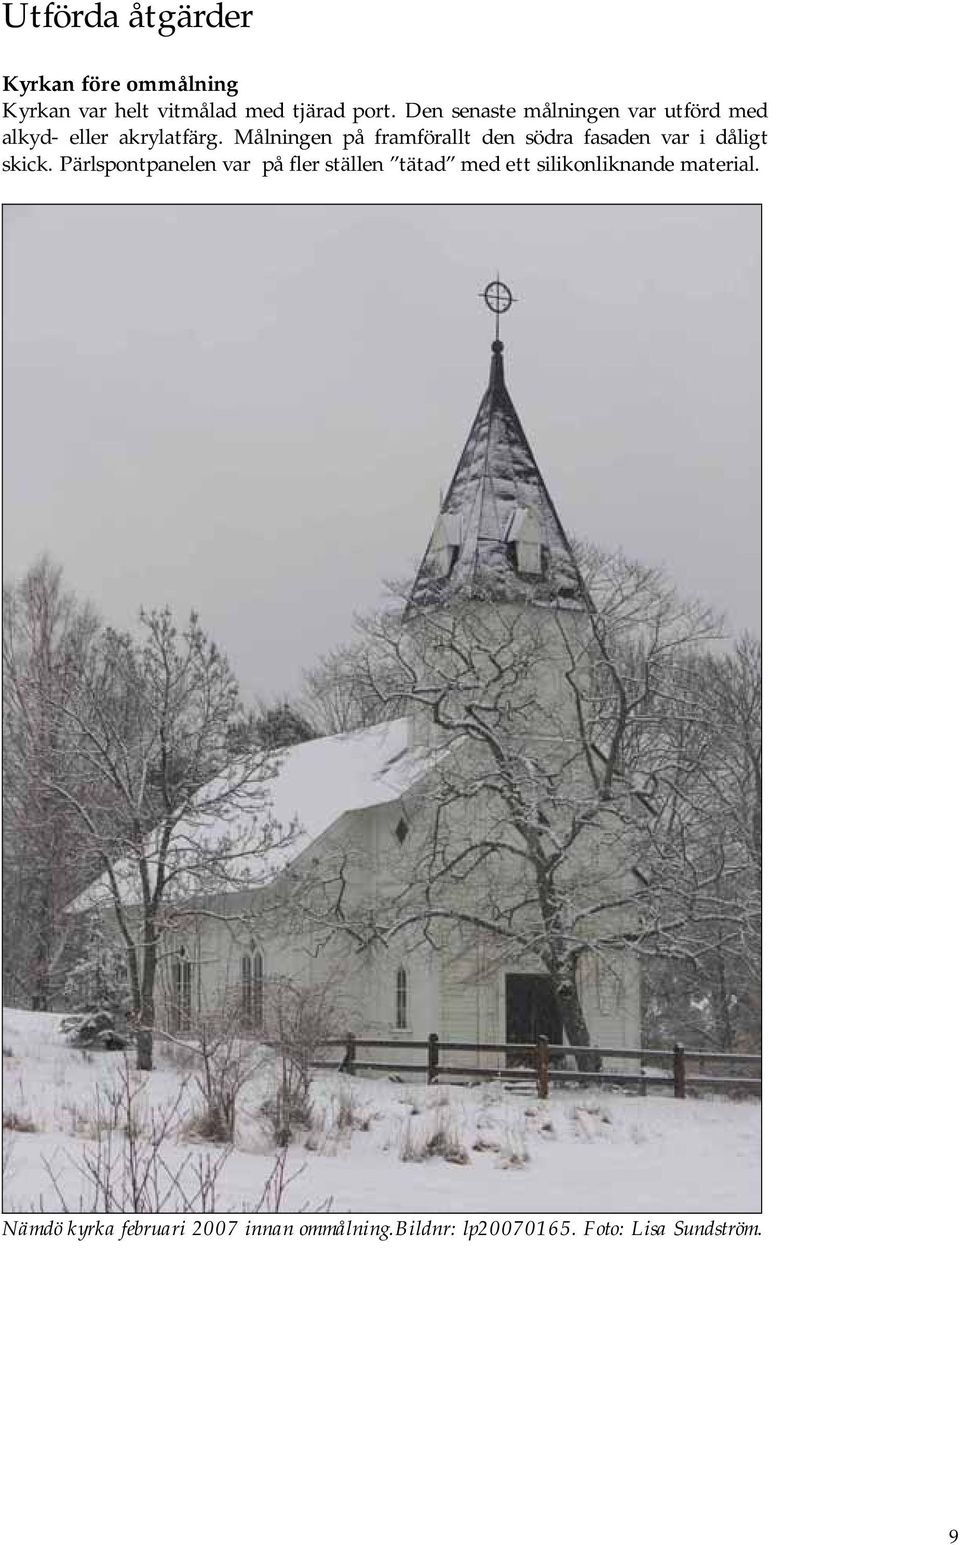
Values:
[(497, 550)]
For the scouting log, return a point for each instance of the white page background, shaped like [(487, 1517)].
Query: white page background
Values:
[(799, 1387)]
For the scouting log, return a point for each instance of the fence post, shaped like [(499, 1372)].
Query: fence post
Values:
[(350, 1053), (679, 1072), (543, 1067), (433, 1057)]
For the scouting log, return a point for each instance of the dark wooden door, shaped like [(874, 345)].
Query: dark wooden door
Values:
[(531, 1012)]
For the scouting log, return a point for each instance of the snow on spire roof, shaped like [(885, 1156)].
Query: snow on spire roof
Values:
[(498, 535)]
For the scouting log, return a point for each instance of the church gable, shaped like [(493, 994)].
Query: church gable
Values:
[(315, 784)]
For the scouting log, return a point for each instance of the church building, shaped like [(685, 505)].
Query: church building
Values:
[(440, 923)]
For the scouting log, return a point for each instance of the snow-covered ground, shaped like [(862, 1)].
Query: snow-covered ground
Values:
[(373, 1146)]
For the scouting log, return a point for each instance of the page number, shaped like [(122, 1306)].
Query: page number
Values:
[(953, 1536)]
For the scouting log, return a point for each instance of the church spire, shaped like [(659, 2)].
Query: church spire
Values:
[(498, 535)]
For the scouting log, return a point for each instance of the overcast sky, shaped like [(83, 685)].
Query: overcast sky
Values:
[(252, 410)]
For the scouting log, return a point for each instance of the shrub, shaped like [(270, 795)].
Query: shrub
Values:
[(287, 1111), (438, 1138), (18, 1121), (229, 1057), (514, 1153)]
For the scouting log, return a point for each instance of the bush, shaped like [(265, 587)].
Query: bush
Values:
[(437, 1138), (98, 981), (287, 1111), (94, 1032), (229, 1058), (18, 1121)]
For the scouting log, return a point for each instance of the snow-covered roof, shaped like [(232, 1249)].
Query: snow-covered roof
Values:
[(320, 780), (315, 784), (496, 484)]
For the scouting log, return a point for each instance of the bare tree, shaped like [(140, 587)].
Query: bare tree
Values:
[(165, 811), (563, 814), (47, 631), (300, 1021), (271, 726), (714, 988), (336, 696), (733, 692), (732, 695)]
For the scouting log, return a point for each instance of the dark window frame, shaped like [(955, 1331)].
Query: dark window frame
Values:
[(251, 988), (182, 993)]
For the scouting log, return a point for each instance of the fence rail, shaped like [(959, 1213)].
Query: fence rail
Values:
[(543, 1052)]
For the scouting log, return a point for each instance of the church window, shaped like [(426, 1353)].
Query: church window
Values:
[(401, 831), (251, 988), (402, 1005), (182, 993)]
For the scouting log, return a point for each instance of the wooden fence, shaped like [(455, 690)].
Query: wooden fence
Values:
[(668, 1067)]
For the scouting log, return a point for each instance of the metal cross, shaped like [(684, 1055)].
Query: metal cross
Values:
[(498, 299)]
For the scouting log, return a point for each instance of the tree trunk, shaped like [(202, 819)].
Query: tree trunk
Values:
[(147, 1016), (41, 960), (144, 1048), (722, 1006), (40, 998), (574, 1025), (133, 977)]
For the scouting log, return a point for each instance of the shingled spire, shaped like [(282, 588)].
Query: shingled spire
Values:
[(498, 535)]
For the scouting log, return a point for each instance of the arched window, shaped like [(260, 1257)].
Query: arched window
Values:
[(402, 1005), (182, 992), (251, 987)]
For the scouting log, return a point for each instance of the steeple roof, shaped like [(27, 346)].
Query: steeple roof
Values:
[(498, 535)]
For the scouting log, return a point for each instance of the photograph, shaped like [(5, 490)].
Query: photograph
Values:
[(382, 708)]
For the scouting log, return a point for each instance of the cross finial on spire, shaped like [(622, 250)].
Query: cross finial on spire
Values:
[(498, 298), (498, 535)]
